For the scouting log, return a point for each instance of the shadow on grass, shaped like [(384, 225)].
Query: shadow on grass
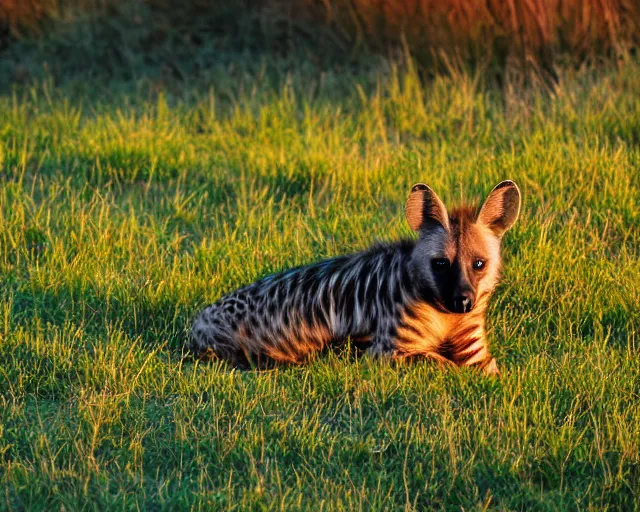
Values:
[(165, 321)]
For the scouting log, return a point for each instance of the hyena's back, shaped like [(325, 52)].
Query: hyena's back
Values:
[(287, 316)]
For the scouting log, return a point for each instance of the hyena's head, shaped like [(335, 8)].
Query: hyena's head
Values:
[(456, 260)]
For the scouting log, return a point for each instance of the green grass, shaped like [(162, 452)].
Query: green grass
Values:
[(124, 210)]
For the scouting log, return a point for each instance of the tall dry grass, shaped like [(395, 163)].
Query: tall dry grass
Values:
[(531, 32), (475, 26)]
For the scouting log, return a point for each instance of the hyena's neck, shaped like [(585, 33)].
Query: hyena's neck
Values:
[(457, 338)]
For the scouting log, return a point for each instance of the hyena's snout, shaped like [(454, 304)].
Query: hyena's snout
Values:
[(462, 302)]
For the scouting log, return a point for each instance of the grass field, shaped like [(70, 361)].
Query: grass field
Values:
[(125, 207)]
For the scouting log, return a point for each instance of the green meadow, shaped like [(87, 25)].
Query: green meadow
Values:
[(127, 205)]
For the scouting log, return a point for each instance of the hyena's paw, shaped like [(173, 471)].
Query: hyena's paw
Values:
[(397, 357), (430, 356), (492, 368)]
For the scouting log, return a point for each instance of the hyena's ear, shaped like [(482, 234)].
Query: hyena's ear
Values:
[(424, 207), (500, 211)]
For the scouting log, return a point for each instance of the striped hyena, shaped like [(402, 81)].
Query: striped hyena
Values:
[(424, 297)]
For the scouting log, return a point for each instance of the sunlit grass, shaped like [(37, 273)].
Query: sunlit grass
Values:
[(121, 214)]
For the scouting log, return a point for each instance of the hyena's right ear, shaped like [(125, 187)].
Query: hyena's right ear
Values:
[(501, 209), (424, 207)]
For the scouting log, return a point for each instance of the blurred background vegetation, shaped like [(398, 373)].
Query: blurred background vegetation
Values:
[(178, 39)]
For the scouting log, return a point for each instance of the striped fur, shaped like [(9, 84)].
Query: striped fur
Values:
[(389, 297)]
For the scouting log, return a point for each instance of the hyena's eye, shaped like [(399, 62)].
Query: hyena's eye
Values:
[(440, 264), (478, 264)]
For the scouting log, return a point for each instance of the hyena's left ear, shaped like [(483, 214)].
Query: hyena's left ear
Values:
[(500, 211), (424, 207)]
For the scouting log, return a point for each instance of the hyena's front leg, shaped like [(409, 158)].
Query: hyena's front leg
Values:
[(385, 345), (397, 355), (473, 350)]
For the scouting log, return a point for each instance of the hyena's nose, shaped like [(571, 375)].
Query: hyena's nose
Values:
[(462, 304)]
